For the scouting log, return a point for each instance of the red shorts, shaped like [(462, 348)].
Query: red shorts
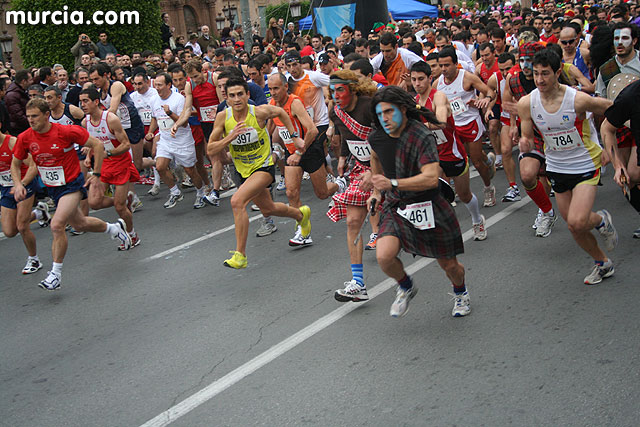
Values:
[(625, 138), (470, 132), (119, 173), (198, 135)]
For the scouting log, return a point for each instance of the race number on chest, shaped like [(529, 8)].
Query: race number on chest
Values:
[(420, 215), (360, 149), (249, 137), (52, 176), (5, 179), (458, 106), (563, 140)]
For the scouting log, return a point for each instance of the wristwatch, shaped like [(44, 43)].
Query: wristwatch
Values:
[(294, 135), (394, 183), (98, 174), (109, 153)]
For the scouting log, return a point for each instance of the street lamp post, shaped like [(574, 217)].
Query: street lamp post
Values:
[(6, 44), (296, 8)]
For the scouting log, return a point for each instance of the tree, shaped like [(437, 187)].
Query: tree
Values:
[(45, 44), (283, 11)]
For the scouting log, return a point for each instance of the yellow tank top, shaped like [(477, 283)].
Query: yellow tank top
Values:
[(251, 150)]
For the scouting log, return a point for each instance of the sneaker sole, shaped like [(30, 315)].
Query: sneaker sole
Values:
[(294, 244), (235, 268), (46, 288), (343, 298), (461, 314), (606, 276), (396, 316)]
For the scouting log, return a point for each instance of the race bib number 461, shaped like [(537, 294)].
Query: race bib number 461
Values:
[(420, 215)]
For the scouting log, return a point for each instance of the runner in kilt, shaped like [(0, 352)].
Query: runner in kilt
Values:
[(415, 216), (352, 119)]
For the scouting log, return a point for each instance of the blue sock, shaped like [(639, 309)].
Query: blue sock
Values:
[(459, 290), (356, 272), (406, 283)]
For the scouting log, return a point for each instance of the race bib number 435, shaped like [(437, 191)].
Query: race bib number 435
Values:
[(420, 215), (52, 176)]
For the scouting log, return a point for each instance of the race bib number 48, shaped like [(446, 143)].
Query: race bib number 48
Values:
[(52, 176), (563, 140), (420, 215)]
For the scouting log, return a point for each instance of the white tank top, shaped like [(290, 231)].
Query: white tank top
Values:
[(463, 113), (102, 132), (568, 144)]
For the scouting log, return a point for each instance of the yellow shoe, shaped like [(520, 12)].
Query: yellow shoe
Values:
[(305, 223), (237, 261)]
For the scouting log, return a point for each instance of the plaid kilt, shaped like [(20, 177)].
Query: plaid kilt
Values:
[(624, 137), (351, 196), (443, 241)]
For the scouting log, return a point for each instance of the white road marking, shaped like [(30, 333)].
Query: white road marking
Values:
[(218, 386)]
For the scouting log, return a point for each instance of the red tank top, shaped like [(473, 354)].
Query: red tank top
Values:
[(205, 99), (6, 156), (296, 123), (449, 148), (485, 72)]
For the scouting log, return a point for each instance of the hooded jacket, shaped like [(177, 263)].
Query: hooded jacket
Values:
[(16, 100)]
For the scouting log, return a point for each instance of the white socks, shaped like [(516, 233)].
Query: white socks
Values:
[(474, 209), (57, 268)]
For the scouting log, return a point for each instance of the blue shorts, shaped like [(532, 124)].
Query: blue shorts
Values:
[(71, 187), (8, 201), (135, 134), (81, 156)]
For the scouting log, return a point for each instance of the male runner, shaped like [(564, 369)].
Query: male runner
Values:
[(117, 168), (451, 153), (241, 127), (165, 112), (459, 86), (415, 217), (393, 61), (51, 146), (532, 161), (572, 156), (17, 216), (488, 68)]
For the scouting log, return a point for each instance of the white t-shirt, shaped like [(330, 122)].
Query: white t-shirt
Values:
[(313, 98), (176, 105), (143, 104)]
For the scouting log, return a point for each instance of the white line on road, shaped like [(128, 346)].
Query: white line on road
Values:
[(218, 386)]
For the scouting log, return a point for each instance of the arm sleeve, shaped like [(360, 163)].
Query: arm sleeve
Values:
[(319, 79), (76, 134), (257, 94), (376, 62), (622, 107), (409, 58)]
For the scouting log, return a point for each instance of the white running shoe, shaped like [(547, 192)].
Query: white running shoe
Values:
[(545, 224), (479, 230), (51, 283), (400, 306), (213, 198), (461, 304), (600, 272), (491, 164), (32, 266), (199, 202), (298, 240), (136, 204), (343, 184), (537, 220), (281, 186), (186, 182), (122, 235), (608, 231), (489, 196), (306, 175), (266, 228), (154, 191), (255, 208), (46, 216), (512, 195), (352, 292), (173, 200)]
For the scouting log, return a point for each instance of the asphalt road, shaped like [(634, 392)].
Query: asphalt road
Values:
[(166, 333)]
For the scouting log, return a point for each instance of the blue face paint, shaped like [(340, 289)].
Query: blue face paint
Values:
[(396, 119), (333, 92)]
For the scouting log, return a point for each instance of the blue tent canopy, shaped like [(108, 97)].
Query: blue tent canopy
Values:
[(410, 9), (305, 23)]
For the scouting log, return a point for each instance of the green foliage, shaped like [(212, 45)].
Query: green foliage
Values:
[(48, 44), (282, 11)]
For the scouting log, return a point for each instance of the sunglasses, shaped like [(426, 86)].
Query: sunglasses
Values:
[(567, 42)]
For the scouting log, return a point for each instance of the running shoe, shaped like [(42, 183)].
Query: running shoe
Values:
[(51, 283), (306, 176), (636, 234), (342, 184), (213, 198), (266, 228), (489, 196), (479, 230), (461, 304), (373, 240), (199, 203), (537, 220), (545, 224), (608, 231), (499, 165), (32, 266), (154, 190), (49, 201), (237, 261), (136, 205), (305, 222), (186, 182), (599, 272), (122, 235), (173, 200), (46, 216), (135, 241), (255, 208), (130, 201), (298, 240), (491, 164), (281, 186), (75, 232), (352, 292), (227, 178), (400, 306), (512, 195)]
